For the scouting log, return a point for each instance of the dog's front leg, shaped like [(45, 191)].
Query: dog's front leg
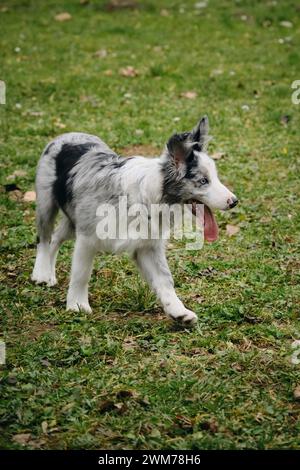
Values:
[(82, 264), (154, 267)]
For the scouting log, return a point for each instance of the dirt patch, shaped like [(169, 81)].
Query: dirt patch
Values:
[(144, 150), (38, 329)]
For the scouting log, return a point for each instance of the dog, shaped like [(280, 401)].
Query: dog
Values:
[(77, 172)]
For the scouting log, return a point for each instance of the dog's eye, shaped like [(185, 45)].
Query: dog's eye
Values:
[(204, 181)]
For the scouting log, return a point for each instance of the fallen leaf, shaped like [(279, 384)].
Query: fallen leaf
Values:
[(44, 427), (119, 406), (36, 444), (59, 124), (200, 5), (144, 401), (297, 393), (16, 195), (164, 12), (29, 196), (184, 422), (211, 426), (102, 53), (245, 107), (128, 71), (129, 343), (232, 230), (107, 405), (217, 155), (121, 394), (265, 219), (108, 72), (45, 363), (64, 16), (190, 95), (36, 113), (286, 24), (17, 173), (197, 298), (155, 433), (22, 438)]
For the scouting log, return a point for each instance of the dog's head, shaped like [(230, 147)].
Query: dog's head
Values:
[(190, 176)]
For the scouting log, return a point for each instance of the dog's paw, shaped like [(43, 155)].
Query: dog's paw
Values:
[(186, 318), (44, 278), (79, 307)]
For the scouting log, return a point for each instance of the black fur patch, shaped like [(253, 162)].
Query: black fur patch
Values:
[(172, 187), (48, 148), (66, 159), (191, 164), (119, 163)]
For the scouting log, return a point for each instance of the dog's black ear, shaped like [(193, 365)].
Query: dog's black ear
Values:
[(200, 133), (179, 152)]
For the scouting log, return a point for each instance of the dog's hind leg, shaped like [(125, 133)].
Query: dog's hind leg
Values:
[(45, 216), (64, 231), (154, 267), (82, 265)]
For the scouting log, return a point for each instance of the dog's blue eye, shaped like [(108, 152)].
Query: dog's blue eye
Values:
[(204, 181)]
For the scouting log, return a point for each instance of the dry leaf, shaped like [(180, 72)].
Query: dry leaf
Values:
[(164, 12), (64, 16), (232, 230), (297, 393), (29, 196), (190, 95), (210, 425), (108, 73), (106, 405), (129, 343), (102, 53), (128, 71), (217, 155), (200, 5), (265, 219), (59, 124), (15, 195), (36, 113), (22, 438), (286, 24), (19, 173), (44, 427)]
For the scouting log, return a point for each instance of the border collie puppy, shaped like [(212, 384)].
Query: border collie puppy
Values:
[(78, 173)]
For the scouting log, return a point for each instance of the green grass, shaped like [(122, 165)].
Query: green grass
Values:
[(124, 376)]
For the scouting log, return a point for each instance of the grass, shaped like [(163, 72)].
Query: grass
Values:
[(124, 377)]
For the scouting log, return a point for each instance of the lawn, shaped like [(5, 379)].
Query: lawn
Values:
[(124, 377)]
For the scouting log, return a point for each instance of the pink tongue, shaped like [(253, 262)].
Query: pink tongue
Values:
[(211, 229)]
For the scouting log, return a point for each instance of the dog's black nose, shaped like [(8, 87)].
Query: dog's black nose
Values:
[(234, 201)]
